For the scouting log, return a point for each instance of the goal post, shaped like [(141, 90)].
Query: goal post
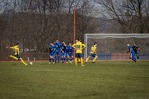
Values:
[(114, 46)]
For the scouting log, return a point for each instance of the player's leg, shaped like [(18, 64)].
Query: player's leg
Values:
[(82, 63), (67, 57), (22, 60), (133, 56), (79, 60), (58, 56), (14, 57), (76, 62), (76, 59), (137, 55), (87, 59), (95, 57), (52, 59), (49, 58), (62, 57), (71, 58), (55, 58), (130, 56)]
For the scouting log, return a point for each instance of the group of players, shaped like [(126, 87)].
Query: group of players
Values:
[(61, 51), (65, 52), (133, 50)]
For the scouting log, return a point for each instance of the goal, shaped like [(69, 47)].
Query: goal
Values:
[(114, 46)]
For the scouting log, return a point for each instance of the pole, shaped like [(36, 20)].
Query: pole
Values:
[(85, 40), (74, 34)]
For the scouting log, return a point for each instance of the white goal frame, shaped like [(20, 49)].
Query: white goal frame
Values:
[(111, 35)]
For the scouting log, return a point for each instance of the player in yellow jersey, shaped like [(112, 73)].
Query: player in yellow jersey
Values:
[(16, 55), (78, 46), (93, 53)]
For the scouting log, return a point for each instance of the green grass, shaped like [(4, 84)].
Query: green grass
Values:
[(102, 80)]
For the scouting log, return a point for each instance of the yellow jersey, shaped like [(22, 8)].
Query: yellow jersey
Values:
[(78, 47), (15, 49), (93, 49)]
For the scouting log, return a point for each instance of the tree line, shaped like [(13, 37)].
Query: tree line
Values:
[(35, 23)]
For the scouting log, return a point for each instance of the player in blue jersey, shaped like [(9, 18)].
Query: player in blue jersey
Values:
[(52, 51), (69, 51), (57, 45), (63, 52), (132, 52)]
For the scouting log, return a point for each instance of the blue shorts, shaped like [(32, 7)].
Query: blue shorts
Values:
[(69, 54), (17, 56), (51, 54), (93, 55), (78, 55), (63, 54), (58, 52)]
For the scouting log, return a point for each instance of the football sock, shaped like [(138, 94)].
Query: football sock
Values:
[(52, 60), (94, 59), (23, 62), (81, 61), (76, 61), (58, 58), (87, 60), (13, 57)]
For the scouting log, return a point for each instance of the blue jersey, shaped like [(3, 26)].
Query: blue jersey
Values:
[(57, 46), (63, 48), (69, 49), (52, 49), (132, 53), (129, 47)]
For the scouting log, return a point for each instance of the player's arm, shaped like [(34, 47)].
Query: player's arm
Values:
[(61, 48), (83, 46), (128, 50), (12, 47), (138, 49), (18, 51), (49, 50), (74, 46), (72, 50), (93, 49)]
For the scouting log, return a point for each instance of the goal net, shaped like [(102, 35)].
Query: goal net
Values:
[(114, 46)]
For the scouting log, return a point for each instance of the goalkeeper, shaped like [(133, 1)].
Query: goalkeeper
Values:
[(16, 55), (93, 53)]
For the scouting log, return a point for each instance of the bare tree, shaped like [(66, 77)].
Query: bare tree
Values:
[(35, 23), (128, 13)]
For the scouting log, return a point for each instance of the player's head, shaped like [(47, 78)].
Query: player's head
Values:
[(128, 44), (57, 40), (69, 43), (134, 44), (63, 42), (17, 44), (52, 43), (77, 40), (95, 43)]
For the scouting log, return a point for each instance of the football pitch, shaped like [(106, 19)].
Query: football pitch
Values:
[(101, 80)]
